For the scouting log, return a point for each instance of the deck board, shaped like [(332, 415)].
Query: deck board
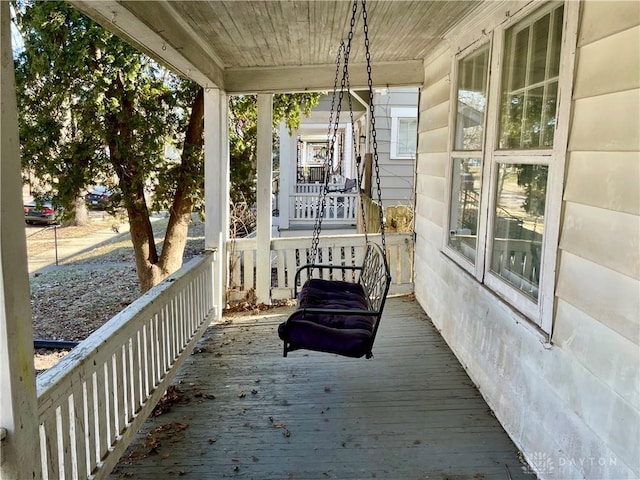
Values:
[(409, 413)]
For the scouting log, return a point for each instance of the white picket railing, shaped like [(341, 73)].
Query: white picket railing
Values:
[(339, 207), (287, 254), (92, 403), (309, 188)]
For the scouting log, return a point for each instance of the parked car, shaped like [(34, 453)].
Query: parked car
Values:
[(42, 212), (98, 197)]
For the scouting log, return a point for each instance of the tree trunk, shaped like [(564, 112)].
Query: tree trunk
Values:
[(189, 180), (81, 213), (121, 141), (150, 268)]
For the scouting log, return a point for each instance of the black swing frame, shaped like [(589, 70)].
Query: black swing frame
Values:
[(372, 278)]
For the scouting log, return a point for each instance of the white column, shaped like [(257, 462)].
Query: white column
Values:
[(216, 190), (265, 167), (20, 449), (348, 161), (288, 168)]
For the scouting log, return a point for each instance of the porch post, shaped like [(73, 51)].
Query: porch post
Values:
[(288, 167), (216, 191), (264, 171), (347, 160), (19, 444)]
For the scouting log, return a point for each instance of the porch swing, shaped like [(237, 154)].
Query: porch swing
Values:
[(339, 306)]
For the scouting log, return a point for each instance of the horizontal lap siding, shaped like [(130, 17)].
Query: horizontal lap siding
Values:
[(396, 175), (598, 291), (433, 135), (605, 180), (594, 233), (606, 123), (433, 143), (578, 397)]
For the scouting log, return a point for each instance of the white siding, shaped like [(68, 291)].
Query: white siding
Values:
[(598, 308), (576, 400)]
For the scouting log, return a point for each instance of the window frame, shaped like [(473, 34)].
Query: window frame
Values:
[(539, 313), (397, 114), (454, 154)]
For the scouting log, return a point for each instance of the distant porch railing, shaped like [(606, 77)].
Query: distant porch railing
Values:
[(339, 207), (287, 254), (309, 188), (93, 402)]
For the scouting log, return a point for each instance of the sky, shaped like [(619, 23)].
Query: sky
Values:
[(16, 38)]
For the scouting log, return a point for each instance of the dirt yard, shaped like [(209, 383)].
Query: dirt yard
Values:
[(71, 301)]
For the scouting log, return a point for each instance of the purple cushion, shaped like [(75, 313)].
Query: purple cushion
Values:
[(348, 335), (331, 294)]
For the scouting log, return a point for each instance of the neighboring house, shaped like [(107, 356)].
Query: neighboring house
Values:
[(302, 161), (527, 217), (396, 112)]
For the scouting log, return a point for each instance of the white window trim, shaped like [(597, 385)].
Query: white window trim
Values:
[(475, 269), (398, 113), (540, 313)]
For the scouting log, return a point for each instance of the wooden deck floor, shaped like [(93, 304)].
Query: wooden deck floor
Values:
[(409, 413)]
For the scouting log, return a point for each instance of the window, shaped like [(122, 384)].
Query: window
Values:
[(467, 152), (404, 132), (518, 226), (506, 153), (530, 82)]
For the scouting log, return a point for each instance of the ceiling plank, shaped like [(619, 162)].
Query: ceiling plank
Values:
[(320, 77), (120, 21), (186, 22), (176, 31)]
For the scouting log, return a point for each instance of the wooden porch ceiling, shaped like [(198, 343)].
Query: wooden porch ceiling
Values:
[(253, 46)]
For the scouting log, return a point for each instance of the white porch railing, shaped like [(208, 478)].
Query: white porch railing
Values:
[(92, 403), (518, 261), (339, 207), (310, 187), (287, 254)]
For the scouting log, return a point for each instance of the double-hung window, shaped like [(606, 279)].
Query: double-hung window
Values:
[(468, 143), (507, 159), (404, 131)]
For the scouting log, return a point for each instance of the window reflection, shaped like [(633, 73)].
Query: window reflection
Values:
[(465, 200), (530, 83), (407, 136), (472, 100), (519, 225)]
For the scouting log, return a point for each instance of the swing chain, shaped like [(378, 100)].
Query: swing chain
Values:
[(373, 127), (356, 147), (313, 252), (343, 56), (332, 138)]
